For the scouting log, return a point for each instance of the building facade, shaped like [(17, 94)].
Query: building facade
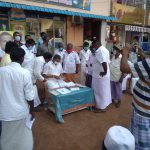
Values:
[(67, 21), (132, 24)]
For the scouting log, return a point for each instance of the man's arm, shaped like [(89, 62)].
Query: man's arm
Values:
[(77, 68), (31, 111), (124, 66), (104, 64), (29, 92)]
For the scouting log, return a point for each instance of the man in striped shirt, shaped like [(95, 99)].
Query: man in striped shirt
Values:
[(140, 122)]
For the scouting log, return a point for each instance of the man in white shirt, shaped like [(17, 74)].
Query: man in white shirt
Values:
[(16, 103), (84, 57), (53, 73), (60, 51), (71, 63), (38, 78), (116, 76), (28, 64), (101, 77)]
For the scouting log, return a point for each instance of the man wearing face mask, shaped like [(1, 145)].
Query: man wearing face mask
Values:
[(17, 38), (60, 51), (44, 47), (71, 63), (84, 56), (53, 71)]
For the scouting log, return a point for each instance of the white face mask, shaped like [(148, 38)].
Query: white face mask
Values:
[(56, 63), (30, 47), (17, 38), (86, 48), (114, 52)]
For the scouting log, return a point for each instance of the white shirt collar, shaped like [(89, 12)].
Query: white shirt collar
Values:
[(15, 64)]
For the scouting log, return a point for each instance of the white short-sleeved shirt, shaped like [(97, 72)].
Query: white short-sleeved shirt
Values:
[(2, 53), (28, 62), (70, 61), (115, 73), (84, 56), (38, 68), (16, 89), (52, 69), (60, 53), (101, 55)]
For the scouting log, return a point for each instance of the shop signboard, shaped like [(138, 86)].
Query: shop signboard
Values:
[(81, 4), (128, 14), (18, 21)]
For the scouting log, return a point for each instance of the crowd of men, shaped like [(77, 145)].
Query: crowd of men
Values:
[(23, 65)]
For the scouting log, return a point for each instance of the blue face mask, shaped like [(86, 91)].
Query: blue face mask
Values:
[(86, 48), (60, 49), (30, 47)]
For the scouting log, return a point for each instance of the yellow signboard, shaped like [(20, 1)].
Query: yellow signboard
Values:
[(128, 14)]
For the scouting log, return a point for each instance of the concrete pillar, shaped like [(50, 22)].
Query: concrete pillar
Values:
[(103, 32)]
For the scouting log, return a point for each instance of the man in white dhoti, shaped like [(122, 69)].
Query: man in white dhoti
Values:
[(84, 57), (101, 77), (16, 103), (28, 64)]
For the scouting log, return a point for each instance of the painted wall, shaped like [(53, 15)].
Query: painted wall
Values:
[(74, 34), (99, 7)]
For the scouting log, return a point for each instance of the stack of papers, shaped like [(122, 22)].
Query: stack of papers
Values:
[(63, 91), (70, 84), (75, 89), (80, 85)]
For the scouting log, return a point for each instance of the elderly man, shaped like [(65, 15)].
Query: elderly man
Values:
[(16, 103), (71, 63), (101, 77)]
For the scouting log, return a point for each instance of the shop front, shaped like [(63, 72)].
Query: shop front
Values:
[(59, 21), (129, 26)]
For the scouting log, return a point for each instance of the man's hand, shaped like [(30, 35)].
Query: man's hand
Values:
[(57, 77), (32, 115), (44, 80), (102, 74), (126, 50), (77, 71)]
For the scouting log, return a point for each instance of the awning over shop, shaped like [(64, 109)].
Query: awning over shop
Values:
[(57, 11)]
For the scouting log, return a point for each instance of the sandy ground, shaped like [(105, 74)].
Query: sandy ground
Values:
[(82, 130)]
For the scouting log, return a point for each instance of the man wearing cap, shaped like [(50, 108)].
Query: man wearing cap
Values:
[(116, 75), (118, 138)]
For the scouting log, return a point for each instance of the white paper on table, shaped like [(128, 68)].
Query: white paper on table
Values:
[(63, 91), (69, 84), (75, 89), (80, 85), (29, 122)]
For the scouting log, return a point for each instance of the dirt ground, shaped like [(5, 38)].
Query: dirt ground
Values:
[(82, 130)]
